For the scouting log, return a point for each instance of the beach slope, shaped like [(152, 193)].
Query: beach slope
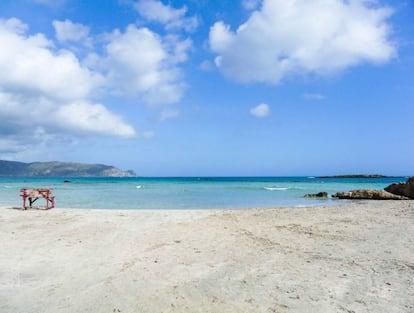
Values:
[(357, 257)]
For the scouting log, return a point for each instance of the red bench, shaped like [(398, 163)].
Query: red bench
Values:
[(32, 194)]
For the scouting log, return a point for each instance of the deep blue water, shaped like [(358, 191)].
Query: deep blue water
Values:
[(186, 193)]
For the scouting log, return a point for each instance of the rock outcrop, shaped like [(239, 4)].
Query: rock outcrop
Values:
[(317, 195), (369, 194), (402, 189)]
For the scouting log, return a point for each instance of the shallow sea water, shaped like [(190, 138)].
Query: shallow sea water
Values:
[(186, 193)]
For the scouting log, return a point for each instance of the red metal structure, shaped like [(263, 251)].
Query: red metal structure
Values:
[(32, 194)]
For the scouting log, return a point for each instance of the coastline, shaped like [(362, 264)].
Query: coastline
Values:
[(336, 258), (187, 193)]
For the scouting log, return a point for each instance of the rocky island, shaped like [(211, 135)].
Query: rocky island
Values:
[(358, 176), (60, 169)]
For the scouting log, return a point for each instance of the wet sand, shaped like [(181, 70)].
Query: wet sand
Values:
[(358, 257)]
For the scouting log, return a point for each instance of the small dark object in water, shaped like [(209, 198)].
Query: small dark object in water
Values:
[(317, 195), (66, 181)]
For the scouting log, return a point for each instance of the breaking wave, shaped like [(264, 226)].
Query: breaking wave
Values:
[(276, 188)]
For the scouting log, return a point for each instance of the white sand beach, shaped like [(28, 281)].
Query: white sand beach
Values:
[(358, 257)]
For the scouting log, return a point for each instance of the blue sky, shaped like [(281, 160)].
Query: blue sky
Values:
[(210, 88)]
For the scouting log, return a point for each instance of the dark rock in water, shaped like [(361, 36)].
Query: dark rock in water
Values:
[(368, 194), (66, 181), (402, 189), (317, 195)]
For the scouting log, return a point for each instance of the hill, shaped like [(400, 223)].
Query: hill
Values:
[(60, 169)]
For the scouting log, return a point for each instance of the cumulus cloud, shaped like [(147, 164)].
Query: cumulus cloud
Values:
[(84, 117), (68, 31), (141, 63), (48, 89), (288, 38), (262, 110), (23, 113), (59, 92), (172, 18), (31, 66)]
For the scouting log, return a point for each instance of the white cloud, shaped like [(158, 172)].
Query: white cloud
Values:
[(68, 31), (172, 18), (142, 64), (84, 117), (30, 65), (24, 113), (287, 38), (11, 146), (49, 95), (262, 110), (13, 25), (48, 89)]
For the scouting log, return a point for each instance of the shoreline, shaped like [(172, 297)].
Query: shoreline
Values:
[(334, 258), (307, 203)]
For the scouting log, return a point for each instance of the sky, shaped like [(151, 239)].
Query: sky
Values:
[(210, 88)]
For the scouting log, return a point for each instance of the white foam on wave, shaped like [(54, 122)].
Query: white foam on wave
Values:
[(311, 177), (138, 186), (276, 188)]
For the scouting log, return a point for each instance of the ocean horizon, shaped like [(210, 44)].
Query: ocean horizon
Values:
[(164, 193)]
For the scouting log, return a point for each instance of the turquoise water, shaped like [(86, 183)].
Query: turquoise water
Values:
[(186, 193)]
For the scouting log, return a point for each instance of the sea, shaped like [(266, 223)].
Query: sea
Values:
[(143, 193)]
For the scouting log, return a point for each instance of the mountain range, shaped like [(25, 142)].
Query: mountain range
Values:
[(60, 169)]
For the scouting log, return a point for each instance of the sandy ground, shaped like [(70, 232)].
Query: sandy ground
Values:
[(353, 258)]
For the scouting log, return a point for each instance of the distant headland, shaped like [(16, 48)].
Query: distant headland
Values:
[(60, 169), (358, 176)]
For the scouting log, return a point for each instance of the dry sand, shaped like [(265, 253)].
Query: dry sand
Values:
[(353, 258)]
